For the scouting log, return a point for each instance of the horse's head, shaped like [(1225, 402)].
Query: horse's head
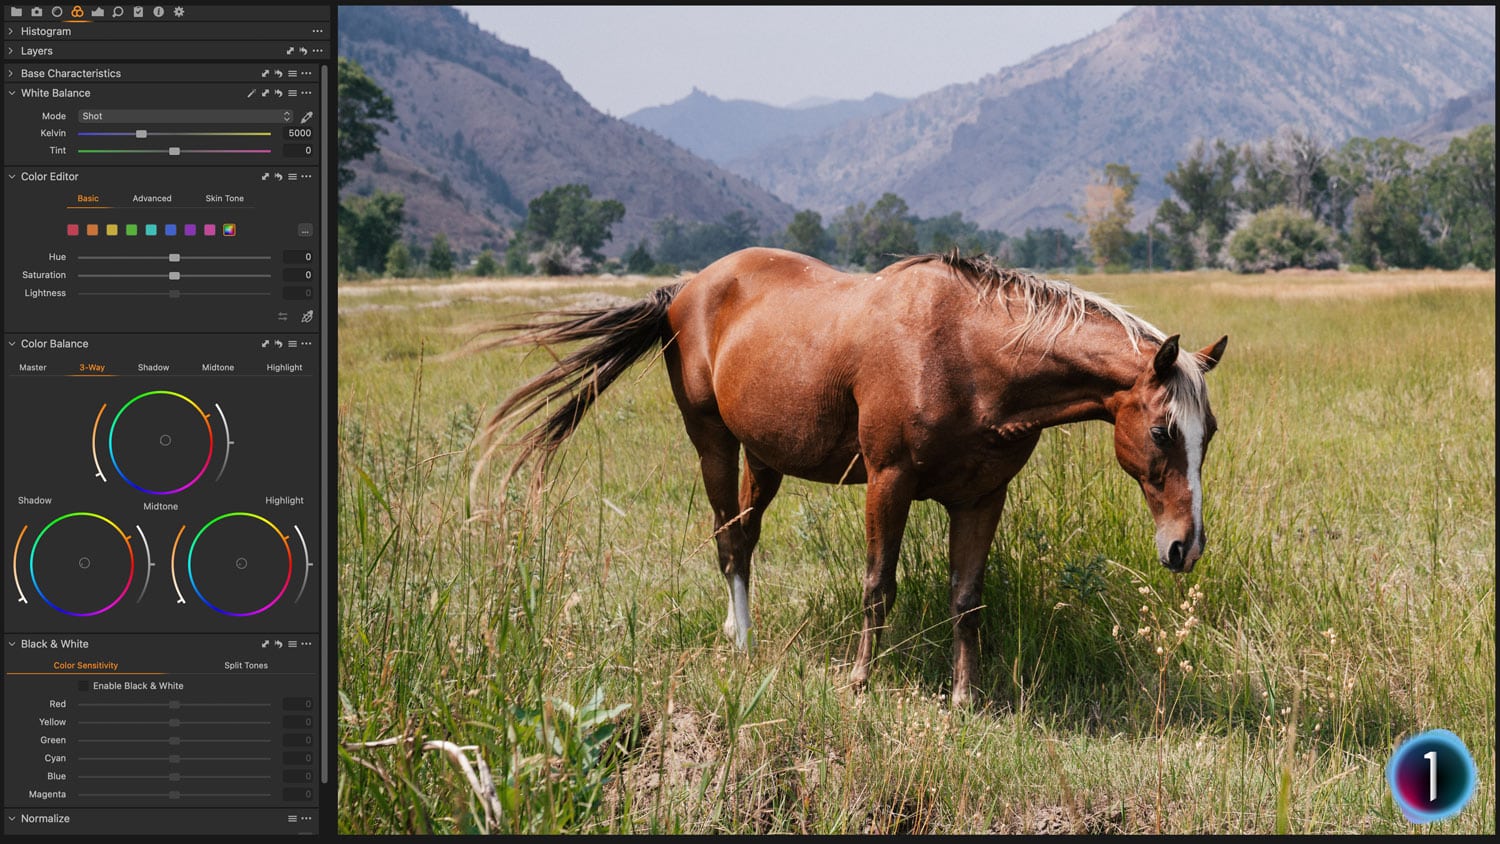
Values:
[(1162, 428)]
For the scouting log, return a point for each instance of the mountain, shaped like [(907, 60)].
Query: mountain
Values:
[(482, 128), (724, 130), (1456, 117), (1016, 148), (814, 102)]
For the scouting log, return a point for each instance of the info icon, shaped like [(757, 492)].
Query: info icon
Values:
[(1432, 776)]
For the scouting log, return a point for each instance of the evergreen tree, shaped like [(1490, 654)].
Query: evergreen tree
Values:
[(847, 230), (1204, 183), (486, 265), (361, 104), (1360, 166), (398, 261), (1460, 187), (440, 256), (1385, 227), (887, 231), (566, 217), (367, 228), (1041, 249), (639, 260), (805, 234), (517, 258)]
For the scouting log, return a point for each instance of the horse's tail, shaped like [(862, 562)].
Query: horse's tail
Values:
[(621, 336)]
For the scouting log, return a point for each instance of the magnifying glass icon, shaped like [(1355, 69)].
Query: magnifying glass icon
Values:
[(117, 12)]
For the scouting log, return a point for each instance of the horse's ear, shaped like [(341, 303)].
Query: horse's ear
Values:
[(1209, 357), (1166, 358)]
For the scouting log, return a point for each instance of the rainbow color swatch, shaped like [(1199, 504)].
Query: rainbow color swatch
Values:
[(151, 229)]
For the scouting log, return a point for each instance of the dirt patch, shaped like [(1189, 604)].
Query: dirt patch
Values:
[(901, 816), (1060, 819), (677, 767), (1316, 284), (678, 752), (1099, 814)]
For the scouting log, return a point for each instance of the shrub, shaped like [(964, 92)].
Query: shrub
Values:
[(398, 261), (1281, 237), (440, 256), (557, 259), (485, 264)]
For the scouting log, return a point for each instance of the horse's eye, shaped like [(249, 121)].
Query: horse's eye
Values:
[(1162, 436)]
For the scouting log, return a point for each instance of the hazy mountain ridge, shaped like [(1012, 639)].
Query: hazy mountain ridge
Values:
[(724, 130), (483, 127), (1015, 148), (1455, 117)]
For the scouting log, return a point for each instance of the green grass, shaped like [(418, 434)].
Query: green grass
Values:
[(1345, 600)]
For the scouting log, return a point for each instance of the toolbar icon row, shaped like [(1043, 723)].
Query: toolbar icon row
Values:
[(95, 12)]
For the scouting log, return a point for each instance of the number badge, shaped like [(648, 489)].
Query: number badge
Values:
[(1431, 776)]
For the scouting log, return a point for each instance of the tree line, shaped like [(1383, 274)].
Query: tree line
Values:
[(1291, 200), (1294, 200), (565, 228)]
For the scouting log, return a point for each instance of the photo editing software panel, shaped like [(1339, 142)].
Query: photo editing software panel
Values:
[(167, 374)]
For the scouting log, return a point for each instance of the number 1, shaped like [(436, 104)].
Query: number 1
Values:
[(1431, 757)]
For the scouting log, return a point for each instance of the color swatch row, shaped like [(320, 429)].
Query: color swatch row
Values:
[(152, 229)]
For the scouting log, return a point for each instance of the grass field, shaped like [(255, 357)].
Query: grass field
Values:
[(1345, 599)]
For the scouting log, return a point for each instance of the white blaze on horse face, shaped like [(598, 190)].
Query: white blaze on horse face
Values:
[(1192, 440), (737, 619)]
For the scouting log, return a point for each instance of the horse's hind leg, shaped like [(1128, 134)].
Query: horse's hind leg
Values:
[(758, 485), (737, 514)]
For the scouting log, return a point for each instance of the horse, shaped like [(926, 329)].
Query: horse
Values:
[(930, 379)]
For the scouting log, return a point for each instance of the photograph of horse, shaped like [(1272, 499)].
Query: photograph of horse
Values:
[(931, 379), (722, 453)]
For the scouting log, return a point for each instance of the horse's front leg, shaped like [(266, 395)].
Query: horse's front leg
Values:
[(970, 533), (888, 499)]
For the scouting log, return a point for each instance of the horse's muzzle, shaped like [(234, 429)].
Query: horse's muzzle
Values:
[(1180, 556), (1176, 559)]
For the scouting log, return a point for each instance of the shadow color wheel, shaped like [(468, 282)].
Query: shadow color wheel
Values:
[(81, 563)]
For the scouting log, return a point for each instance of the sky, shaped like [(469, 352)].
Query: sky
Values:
[(625, 58)]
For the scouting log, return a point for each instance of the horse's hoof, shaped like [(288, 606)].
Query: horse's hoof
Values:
[(740, 644)]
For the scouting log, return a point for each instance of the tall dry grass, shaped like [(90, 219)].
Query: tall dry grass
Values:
[(1346, 599)]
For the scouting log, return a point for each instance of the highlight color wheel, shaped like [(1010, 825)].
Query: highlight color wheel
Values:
[(194, 582)]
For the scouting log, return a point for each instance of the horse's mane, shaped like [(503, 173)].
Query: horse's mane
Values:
[(1054, 306)]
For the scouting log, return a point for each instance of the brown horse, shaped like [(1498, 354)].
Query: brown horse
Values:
[(931, 379)]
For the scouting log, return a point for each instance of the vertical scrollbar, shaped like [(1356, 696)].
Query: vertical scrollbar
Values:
[(325, 364)]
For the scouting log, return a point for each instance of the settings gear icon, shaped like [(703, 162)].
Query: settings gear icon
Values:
[(178, 11)]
